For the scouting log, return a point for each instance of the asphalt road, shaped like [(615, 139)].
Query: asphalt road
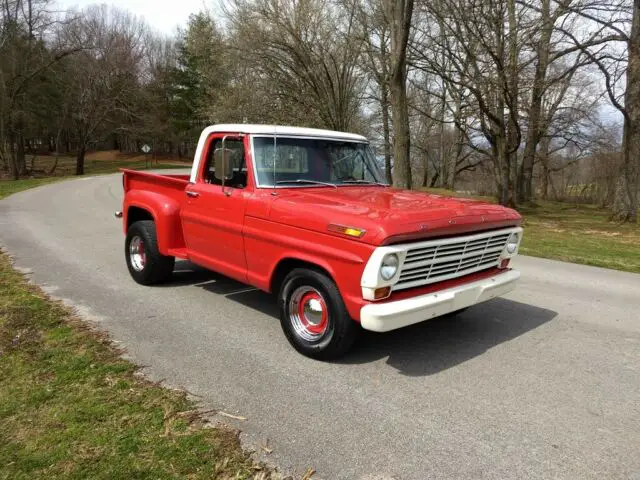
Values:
[(544, 383)]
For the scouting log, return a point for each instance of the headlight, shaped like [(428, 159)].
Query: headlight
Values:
[(512, 243), (389, 266)]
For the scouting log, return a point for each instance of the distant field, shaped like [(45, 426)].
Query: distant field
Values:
[(576, 233), (95, 164), (101, 162)]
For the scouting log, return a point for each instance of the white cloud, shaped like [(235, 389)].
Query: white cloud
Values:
[(162, 15)]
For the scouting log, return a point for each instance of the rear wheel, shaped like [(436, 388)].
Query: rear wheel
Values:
[(146, 264), (313, 316)]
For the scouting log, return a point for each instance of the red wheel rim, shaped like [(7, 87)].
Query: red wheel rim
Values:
[(308, 313), (310, 307)]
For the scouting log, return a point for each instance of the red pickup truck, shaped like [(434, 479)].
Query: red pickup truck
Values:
[(305, 213)]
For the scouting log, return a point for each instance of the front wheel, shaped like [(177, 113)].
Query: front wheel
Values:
[(146, 264), (313, 316)]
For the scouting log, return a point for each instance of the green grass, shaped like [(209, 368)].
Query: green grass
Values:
[(72, 408), (580, 234), (576, 233)]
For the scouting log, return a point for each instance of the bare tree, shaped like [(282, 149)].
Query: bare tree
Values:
[(25, 55), (309, 51), (483, 62), (569, 119), (102, 79), (615, 17), (556, 59), (375, 32)]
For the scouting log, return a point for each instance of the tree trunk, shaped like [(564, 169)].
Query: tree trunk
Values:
[(504, 161), (56, 152), (525, 177), (442, 157), (21, 161), (625, 206), (400, 12), (80, 160), (458, 139), (384, 105), (513, 129), (434, 180), (3, 157), (3, 146), (545, 176), (401, 140), (15, 169)]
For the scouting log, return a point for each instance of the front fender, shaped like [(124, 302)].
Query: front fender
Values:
[(269, 243)]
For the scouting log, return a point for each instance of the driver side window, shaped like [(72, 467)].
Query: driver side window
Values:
[(237, 176)]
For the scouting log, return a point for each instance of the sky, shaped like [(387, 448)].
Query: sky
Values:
[(161, 15)]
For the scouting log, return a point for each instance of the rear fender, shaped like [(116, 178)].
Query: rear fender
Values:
[(166, 215)]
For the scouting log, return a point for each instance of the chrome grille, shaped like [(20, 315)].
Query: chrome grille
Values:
[(438, 260)]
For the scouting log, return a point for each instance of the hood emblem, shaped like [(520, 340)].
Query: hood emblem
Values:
[(424, 226), (452, 222)]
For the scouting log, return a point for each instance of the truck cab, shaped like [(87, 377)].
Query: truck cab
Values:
[(306, 214)]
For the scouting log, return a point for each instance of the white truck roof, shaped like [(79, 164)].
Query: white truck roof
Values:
[(282, 131)]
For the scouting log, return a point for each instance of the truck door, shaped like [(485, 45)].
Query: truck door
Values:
[(213, 216)]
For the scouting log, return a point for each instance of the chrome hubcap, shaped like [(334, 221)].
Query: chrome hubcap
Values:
[(137, 254), (308, 313)]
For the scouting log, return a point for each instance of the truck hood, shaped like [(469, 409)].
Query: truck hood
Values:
[(387, 215)]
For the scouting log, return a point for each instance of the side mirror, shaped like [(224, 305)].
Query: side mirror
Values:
[(222, 164)]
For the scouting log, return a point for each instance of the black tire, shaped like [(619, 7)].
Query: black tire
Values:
[(341, 330), (156, 268)]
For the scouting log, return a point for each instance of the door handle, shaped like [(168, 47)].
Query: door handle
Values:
[(192, 194)]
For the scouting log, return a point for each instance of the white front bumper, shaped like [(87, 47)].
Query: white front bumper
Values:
[(382, 317)]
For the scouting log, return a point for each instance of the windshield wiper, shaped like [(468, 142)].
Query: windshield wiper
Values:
[(364, 182), (302, 180)]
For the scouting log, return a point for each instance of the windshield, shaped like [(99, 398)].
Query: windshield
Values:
[(313, 162)]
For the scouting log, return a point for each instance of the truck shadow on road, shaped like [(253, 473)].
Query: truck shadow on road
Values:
[(423, 349), (186, 274), (436, 345)]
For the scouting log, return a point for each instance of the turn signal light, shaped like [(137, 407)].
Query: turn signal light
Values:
[(350, 231), (504, 263), (381, 293)]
